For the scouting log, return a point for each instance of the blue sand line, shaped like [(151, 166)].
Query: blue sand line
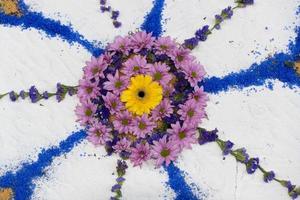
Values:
[(21, 181), (178, 184), (258, 74), (51, 27), (153, 20)]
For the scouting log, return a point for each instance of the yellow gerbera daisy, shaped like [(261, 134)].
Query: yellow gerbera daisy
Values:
[(142, 95)]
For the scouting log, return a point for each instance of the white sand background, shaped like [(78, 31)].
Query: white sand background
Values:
[(265, 122)]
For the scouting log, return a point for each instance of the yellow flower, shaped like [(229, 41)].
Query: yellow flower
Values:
[(142, 95)]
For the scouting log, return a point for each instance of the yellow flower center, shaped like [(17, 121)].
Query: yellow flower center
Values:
[(142, 95)]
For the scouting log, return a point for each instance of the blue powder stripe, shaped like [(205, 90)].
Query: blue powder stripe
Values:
[(258, 74), (153, 21), (177, 182), (21, 181), (51, 27)]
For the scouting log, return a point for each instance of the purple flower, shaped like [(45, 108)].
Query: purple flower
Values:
[(122, 145), (245, 2), (112, 102), (160, 73), (45, 95), (252, 165), (191, 43), (199, 96), (34, 94), (165, 45), (183, 135), (181, 56), (194, 73), (202, 33), (98, 134), (227, 12), (22, 94), (116, 83), (141, 40), (117, 24), (105, 9), (164, 109), (122, 44), (135, 65), (207, 136), (116, 187), (139, 154), (85, 112), (88, 89), (13, 96), (102, 2), (120, 179), (269, 176), (115, 14), (123, 122), (241, 155), (95, 67), (227, 147), (165, 151), (141, 126), (190, 113)]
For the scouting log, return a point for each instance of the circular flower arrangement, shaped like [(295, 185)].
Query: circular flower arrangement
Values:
[(142, 99)]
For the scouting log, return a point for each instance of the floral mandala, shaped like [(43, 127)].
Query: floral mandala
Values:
[(143, 98)]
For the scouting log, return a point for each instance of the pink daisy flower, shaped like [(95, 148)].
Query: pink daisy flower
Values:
[(116, 83), (122, 44), (139, 154), (183, 135), (87, 89), (164, 109), (194, 72), (199, 96), (135, 65), (123, 122), (141, 40), (191, 113), (181, 56), (122, 145), (165, 151), (160, 73), (112, 102), (95, 67), (165, 45), (98, 134), (141, 126), (85, 112)]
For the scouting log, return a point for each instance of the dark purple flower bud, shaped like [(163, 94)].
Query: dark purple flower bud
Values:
[(60, 92), (218, 26), (22, 94), (227, 147), (105, 9), (45, 95), (114, 198), (207, 136), (117, 24), (252, 165), (34, 94), (218, 18), (202, 33), (121, 165), (191, 43), (108, 148), (288, 185), (227, 12), (241, 155), (13, 96), (115, 188), (120, 179), (124, 155), (269, 176), (248, 2), (115, 14), (72, 91), (102, 2)]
